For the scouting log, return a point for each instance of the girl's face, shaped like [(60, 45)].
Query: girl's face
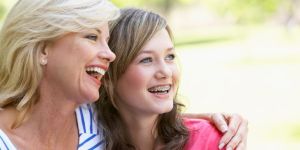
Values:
[(76, 63), (149, 84)]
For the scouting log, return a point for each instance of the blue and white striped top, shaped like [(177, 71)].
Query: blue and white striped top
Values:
[(5, 143), (90, 136)]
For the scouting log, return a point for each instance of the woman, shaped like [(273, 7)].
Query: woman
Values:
[(53, 55), (138, 107)]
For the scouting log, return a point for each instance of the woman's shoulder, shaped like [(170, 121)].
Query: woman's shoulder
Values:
[(90, 134), (5, 142), (202, 135)]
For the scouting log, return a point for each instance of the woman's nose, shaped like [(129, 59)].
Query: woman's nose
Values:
[(106, 54)]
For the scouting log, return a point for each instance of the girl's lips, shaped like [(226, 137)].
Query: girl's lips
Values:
[(161, 96)]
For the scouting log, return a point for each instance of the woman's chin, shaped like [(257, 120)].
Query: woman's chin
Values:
[(91, 97)]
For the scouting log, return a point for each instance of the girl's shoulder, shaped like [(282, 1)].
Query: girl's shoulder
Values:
[(202, 135)]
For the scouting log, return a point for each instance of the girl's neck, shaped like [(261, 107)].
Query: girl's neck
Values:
[(142, 131)]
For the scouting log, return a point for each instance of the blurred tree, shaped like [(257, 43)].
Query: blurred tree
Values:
[(247, 11), (2, 10), (242, 11), (290, 12), (164, 6), (122, 3)]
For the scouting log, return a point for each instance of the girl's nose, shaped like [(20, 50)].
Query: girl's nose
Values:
[(163, 71)]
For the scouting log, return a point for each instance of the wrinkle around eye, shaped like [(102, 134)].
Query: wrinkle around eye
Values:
[(92, 37)]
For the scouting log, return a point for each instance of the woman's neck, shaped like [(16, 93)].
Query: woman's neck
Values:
[(50, 127), (51, 124)]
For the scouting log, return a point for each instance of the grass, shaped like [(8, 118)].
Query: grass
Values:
[(294, 132), (255, 74)]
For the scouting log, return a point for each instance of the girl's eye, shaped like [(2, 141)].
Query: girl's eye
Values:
[(92, 37), (146, 60), (170, 57)]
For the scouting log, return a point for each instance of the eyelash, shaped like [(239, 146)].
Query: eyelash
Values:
[(146, 60), (92, 37), (172, 56), (169, 57)]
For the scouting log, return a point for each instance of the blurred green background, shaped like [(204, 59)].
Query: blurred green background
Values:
[(237, 56)]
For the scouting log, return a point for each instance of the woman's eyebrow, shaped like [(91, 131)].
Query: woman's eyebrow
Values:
[(99, 31)]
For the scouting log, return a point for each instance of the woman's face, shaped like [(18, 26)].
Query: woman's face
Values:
[(149, 84), (77, 62)]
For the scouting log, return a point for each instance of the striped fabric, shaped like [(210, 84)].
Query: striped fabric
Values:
[(90, 136), (5, 143)]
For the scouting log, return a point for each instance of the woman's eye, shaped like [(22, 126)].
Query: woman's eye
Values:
[(92, 37), (146, 60), (170, 57)]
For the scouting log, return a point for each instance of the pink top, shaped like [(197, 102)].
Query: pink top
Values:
[(202, 135)]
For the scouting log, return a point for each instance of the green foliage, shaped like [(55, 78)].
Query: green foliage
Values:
[(141, 3), (164, 6), (242, 11), (2, 11), (295, 132), (127, 3), (245, 11), (186, 1)]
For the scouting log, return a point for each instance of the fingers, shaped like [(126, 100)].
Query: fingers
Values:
[(220, 122), (242, 146), (233, 128), (239, 140)]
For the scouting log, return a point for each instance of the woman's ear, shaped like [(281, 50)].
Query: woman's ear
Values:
[(44, 55)]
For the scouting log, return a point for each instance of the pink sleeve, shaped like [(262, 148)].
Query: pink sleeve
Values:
[(202, 135)]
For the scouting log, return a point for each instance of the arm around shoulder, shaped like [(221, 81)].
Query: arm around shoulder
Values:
[(202, 135)]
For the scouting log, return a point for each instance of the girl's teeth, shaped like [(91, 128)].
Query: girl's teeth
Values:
[(160, 89)]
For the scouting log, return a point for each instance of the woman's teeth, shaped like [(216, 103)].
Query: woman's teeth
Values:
[(95, 70)]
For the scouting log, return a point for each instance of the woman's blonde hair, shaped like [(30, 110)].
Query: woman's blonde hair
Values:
[(29, 26)]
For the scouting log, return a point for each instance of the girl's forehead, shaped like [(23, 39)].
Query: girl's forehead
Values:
[(161, 40)]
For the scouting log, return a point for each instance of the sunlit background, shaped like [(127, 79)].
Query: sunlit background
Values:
[(237, 56)]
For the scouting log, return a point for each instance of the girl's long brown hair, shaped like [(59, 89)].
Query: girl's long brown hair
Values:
[(129, 33)]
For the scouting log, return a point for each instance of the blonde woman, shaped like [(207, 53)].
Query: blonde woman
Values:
[(53, 55), (138, 107)]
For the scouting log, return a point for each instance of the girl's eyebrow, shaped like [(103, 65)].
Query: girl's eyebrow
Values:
[(150, 51), (170, 49)]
